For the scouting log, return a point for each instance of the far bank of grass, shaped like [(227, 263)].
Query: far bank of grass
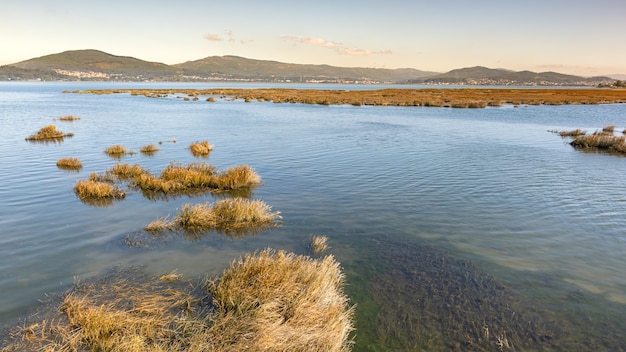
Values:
[(453, 97)]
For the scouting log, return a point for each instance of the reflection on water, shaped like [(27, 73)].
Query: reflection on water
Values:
[(506, 216)]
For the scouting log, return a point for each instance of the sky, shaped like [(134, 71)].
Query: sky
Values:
[(578, 37)]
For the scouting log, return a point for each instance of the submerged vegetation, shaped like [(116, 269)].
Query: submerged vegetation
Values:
[(266, 301), (460, 98), (48, 134), (319, 244)]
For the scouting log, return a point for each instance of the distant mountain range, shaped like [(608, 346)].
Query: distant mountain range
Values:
[(101, 66), (487, 76)]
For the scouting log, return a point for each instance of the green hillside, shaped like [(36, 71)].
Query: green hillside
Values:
[(98, 61), (12, 73), (239, 67), (98, 65), (487, 76)]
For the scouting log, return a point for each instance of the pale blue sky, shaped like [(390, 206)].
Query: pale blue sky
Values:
[(569, 36)]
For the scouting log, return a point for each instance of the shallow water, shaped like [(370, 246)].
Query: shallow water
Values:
[(491, 187)]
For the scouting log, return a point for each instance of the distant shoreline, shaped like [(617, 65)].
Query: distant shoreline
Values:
[(431, 97)]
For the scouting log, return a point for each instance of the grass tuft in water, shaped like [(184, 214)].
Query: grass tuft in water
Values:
[(48, 134), (90, 189), (279, 301), (117, 151), (236, 177), (69, 118), (266, 301), (573, 133), (73, 164), (319, 244), (232, 213), (201, 148), (149, 149)]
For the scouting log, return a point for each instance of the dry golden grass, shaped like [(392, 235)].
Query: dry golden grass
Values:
[(90, 189), (608, 129), (69, 164), (48, 133), (464, 97), (126, 171), (149, 149), (266, 301), (69, 118), (194, 175), (159, 225), (574, 133), (117, 150), (236, 177), (601, 141), (227, 214), (278, 301), (319, 244), (201, 148)]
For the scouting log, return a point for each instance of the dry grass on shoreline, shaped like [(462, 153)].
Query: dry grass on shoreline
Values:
[(48, 134), (434, 97), (265, 301)]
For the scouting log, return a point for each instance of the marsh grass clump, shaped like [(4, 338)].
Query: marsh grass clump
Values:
[(149, 149), (268, 301), (279, 301), (48, 134), (117, 151), (573, 133), (236, 177), (72, 164), (202, 149), (601, 141), (226, 214), (90, 189), (608, 129), (319, 244), (159, 225), (69, 118), (193, 175), (126, 172)]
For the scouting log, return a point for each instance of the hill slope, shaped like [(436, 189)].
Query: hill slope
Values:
[(95, 61), (239, 67), (487, 76)]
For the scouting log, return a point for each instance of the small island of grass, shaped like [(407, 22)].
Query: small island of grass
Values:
[(48, 134)]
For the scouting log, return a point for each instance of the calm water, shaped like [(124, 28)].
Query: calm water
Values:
[(491, 187)]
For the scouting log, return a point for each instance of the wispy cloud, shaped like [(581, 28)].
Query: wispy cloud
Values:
[(213, 37), (225, 36), (338, 47)]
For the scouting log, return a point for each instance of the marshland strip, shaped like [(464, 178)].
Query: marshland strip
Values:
[(453, 97)]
